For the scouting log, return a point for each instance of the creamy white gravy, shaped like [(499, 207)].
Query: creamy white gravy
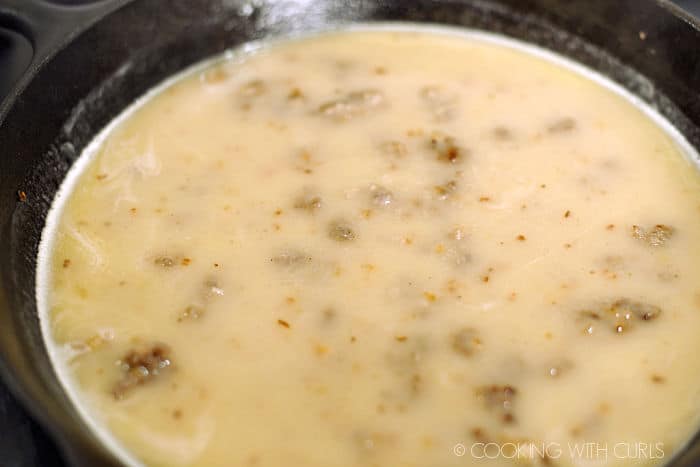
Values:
[(376, 248)]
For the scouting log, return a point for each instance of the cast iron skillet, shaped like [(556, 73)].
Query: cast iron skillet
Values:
[(92, 58)]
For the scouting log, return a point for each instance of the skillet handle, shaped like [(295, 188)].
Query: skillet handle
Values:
[(47, 27)]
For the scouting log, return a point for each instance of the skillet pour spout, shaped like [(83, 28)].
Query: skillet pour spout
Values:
[(91, 59)]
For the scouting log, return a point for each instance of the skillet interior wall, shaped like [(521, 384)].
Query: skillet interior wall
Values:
[(89, 82)]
